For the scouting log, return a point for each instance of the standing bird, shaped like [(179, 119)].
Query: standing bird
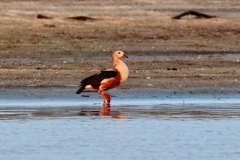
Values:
[(108, 79)]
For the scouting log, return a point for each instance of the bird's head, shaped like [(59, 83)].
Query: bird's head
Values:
[(119, 54)]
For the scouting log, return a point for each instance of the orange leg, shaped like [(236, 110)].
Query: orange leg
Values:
[(106, 97)]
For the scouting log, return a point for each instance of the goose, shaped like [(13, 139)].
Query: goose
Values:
[(107, 79)]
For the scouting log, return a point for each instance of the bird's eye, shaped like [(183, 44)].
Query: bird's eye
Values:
[(119, 52)]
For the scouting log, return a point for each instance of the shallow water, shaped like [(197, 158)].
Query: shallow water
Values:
[(107, 138), (60, 97), (55, 124)]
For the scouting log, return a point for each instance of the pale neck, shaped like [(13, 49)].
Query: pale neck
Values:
[(121, 67)]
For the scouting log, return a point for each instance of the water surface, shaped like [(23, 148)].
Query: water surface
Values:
[(107, 138), (56, 124)]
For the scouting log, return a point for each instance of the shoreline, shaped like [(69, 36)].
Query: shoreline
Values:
[(35, 103), (60, 97), (146, 72)]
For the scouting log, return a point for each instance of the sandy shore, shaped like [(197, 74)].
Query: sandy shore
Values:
[(165, 54)]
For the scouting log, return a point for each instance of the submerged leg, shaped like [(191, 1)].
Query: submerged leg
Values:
[(106, 97)]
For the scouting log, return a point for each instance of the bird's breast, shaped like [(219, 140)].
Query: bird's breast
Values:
[(111, 82)]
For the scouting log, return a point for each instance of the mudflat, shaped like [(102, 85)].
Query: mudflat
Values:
[(76, 39)]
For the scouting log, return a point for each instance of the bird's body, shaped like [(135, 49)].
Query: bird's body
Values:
[(108, 79), (103, 80)]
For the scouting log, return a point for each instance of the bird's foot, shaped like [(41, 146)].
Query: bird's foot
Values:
[(106, 98)]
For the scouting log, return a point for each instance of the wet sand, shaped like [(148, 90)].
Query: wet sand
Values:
[(59, 52)]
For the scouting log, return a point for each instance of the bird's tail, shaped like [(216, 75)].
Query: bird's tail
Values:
[(80, 89)]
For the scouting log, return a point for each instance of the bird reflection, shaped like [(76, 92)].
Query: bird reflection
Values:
[(105, 110)]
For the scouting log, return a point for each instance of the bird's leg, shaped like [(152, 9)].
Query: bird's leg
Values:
[(106, 96)]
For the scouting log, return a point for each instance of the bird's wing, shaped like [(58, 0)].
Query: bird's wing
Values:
[(96, 79)]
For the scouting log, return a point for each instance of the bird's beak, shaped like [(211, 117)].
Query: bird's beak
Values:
[(124, 56)]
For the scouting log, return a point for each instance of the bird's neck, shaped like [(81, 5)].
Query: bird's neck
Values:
[(122, 68)]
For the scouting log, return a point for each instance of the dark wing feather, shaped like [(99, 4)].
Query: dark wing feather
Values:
[(96, 79), (107, 74), (100, 76)]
